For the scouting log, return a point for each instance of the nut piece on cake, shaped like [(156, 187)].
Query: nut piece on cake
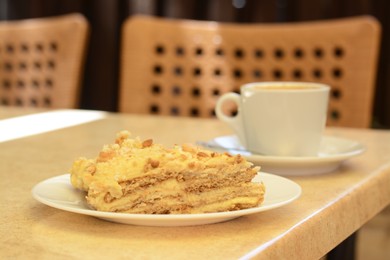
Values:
[(136, 176)]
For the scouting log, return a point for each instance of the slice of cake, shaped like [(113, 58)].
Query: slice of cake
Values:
[(137, 176)]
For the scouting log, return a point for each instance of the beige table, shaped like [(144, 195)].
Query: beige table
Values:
[(9, 112), (331, 208)]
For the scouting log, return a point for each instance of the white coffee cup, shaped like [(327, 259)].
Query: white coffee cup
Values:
[(278, 118)]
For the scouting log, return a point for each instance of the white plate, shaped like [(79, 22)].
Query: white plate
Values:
[(57, 192), (333, 152)]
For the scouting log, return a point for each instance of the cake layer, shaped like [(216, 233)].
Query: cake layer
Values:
[(171, 197)]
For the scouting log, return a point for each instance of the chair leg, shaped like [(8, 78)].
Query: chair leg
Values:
[(346, 250)]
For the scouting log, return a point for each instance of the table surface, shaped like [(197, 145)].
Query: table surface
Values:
[(332, 206)]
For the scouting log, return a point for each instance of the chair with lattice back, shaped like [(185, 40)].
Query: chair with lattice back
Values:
[(181, 67), (41, 61)]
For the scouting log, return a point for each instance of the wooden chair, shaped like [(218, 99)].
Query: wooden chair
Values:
[(41, 61), (181, 67)]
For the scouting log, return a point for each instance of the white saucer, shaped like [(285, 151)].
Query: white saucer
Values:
[(59, 193), (333, 152)]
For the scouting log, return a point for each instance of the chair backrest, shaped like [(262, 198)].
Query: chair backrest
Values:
[(181, 67), (41, 61)]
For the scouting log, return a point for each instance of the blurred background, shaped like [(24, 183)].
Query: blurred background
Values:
[(100, 82)]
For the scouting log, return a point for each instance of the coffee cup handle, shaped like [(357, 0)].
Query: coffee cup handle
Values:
[(235, 122)]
